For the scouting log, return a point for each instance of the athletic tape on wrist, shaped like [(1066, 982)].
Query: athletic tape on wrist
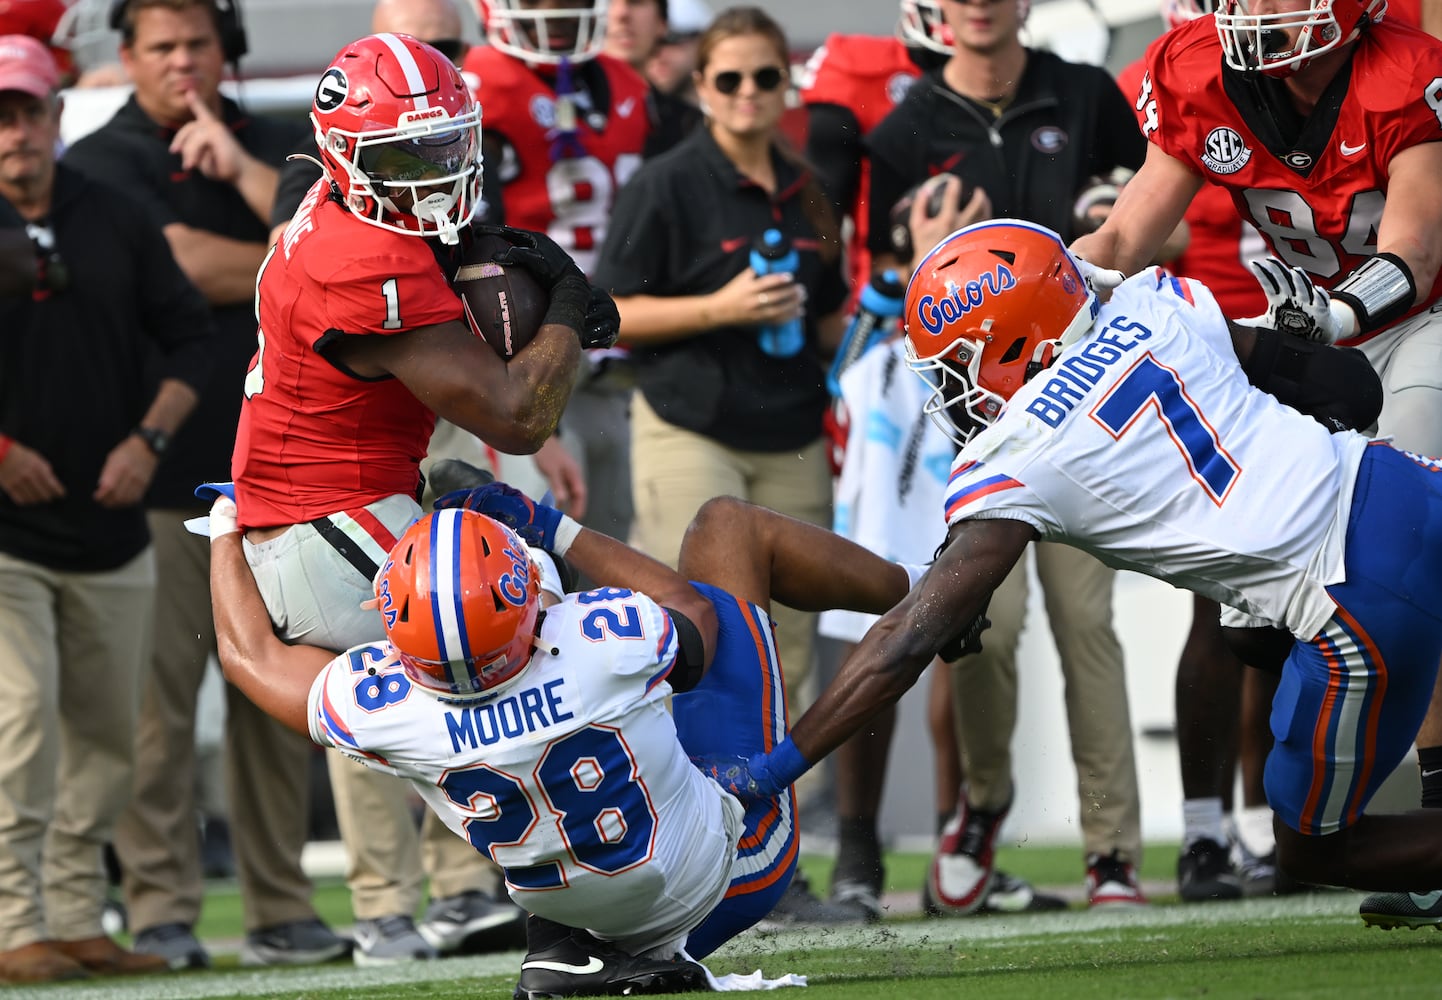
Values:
[(566, 533), (1379, 291)]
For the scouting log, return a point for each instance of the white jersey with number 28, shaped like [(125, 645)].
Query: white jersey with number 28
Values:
[(570, 777)]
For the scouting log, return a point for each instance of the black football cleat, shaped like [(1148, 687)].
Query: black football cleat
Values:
[(565, 962)]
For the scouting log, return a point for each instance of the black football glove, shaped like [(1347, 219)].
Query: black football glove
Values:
[(537, 253), (603, 320), (968, 641)]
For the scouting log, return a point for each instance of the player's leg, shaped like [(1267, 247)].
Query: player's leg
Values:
[(1208, 695), (760, 556), (1351, 700)]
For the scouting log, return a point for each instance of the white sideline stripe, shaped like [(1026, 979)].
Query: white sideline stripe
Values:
[(999, 933)]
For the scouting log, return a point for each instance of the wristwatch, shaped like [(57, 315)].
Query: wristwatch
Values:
[(157, 439)]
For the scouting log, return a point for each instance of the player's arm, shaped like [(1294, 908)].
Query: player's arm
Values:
[(1410, 229), (275, 676), (1146, 214), (889, 659), (1336, 386), (513, 406), (938, 612)]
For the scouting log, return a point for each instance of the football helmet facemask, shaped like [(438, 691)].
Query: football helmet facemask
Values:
[(986, 310), (460, 597), (1250, 41), (550, 35), (400, 136)]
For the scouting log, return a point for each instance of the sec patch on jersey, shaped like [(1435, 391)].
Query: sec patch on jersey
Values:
[(504, 305)]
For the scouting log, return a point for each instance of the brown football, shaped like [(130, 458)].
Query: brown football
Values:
[(505, 305)]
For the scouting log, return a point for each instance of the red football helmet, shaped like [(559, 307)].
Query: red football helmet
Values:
[(922, 26), (1178, 12), (574, 31), (985, 311), (461, 601), (400, 136), (1249, 41)]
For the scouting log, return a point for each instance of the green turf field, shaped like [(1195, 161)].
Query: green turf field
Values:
[(1298, 947)]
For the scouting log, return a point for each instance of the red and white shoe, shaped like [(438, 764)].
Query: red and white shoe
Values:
[(964, 866), (1112, 882)]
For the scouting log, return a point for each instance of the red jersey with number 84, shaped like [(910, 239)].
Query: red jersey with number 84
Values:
[(1317, 202)]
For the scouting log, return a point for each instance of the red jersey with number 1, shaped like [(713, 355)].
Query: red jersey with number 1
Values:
[(313, 438), (868, 75), (569, 198), (1317, 202)]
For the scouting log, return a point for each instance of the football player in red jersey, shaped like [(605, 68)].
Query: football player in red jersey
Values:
[(566, 125), (1322, 120), (361, 343)]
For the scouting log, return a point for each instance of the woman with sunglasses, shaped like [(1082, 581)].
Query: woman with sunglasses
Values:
[(716, 415)]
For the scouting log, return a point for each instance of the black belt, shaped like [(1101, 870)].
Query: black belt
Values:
[(347, 547)]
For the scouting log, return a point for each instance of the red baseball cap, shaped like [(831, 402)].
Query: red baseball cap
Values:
[(27, 66)]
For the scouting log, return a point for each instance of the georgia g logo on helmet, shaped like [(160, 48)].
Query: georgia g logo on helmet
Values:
[(332, 90)]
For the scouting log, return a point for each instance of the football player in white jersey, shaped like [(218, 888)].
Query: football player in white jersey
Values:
[(1133, 431), (542, 735)]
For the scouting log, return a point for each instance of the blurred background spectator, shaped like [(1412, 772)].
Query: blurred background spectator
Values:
[(99, 366)]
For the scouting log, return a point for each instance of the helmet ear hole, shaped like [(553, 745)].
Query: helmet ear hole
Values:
[(1014, 351)]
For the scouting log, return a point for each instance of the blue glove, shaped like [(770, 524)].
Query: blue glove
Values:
[(758, 777), (536, 523)]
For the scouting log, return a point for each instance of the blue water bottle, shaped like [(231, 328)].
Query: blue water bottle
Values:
[(774, 254), (880, 304)]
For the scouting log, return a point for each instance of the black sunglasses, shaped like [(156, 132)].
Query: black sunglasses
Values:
[(767, 78)]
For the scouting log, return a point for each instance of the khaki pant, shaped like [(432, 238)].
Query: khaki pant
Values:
[(73, 653), (266, 767), (315, 596), (675, 471), (1078, 593)]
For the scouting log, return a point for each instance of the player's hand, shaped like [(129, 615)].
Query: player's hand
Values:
[(748, 778), (537, 253), (1101, 279), (27, 478), (126, 474), (536, 523), (968, 642), (564, 477), (206, 144), (603, 320), (1294, 304)]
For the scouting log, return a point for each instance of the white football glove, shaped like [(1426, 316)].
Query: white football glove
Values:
[(1296, 306), (1102, 279)]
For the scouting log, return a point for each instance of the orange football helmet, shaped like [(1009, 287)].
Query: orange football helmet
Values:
[(461, 601), (986, 310)]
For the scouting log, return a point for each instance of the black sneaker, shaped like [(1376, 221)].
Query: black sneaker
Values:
[(1413, 910), (472, 923), (799, 905), (1011, 894), (1205, 873), (860, 895), (301, 942), (176, 943), (565, 962), (389, 940)]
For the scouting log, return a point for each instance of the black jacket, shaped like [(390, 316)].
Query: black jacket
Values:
[(73, 367), (1066, 123)]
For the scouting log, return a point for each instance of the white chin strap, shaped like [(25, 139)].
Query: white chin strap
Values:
[(436, 208)]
